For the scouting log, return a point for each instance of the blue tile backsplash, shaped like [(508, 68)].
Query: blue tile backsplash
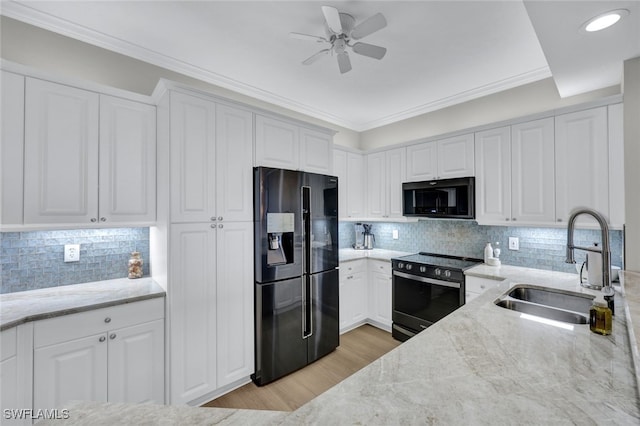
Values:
[(541, 248), (32, 260)]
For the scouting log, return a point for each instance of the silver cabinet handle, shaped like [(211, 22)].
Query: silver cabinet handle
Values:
[(219, 217), (514, 219), (221, 226), (112, 336), (103, 219), (559, 219), (107, 320), (213, 218), (507, 219), (213, 225), (93, 220), (102, 339)]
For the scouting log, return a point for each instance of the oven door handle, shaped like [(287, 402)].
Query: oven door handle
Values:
[(427, 280)]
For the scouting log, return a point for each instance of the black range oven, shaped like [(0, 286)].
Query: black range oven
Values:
[(426, 288)]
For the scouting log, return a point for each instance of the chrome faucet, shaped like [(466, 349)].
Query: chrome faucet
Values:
[(606, 246)]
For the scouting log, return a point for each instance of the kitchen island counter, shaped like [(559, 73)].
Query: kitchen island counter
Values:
[(481, 365)]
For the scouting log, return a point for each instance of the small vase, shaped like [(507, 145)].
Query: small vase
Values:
[(135, 265)]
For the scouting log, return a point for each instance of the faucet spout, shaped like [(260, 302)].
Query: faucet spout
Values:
[(606, 245)]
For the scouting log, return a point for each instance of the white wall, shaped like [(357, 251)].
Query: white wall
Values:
[(32, 46), (631, 90), (528, 99)]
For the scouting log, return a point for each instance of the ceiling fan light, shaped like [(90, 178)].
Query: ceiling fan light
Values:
[(604, 20)]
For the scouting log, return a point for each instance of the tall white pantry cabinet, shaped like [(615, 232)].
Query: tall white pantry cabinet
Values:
[(203, 244)]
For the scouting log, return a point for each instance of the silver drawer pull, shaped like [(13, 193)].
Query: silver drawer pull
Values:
[(102, 339), (112, 336), (107, 320)]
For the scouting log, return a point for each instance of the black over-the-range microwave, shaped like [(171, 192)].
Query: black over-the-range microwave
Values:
[(445, 198)]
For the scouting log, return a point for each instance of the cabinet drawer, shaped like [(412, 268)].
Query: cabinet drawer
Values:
[(74, 326), (352, 267), (479, 285), (380, 266), (8, 343)]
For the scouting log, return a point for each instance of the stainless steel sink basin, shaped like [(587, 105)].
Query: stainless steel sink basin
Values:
[(548, 303)]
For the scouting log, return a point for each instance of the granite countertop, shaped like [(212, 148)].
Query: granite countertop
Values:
[(480, 365), (20, 307), (349, 254)]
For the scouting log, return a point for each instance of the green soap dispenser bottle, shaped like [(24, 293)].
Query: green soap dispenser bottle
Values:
[(600, 316)]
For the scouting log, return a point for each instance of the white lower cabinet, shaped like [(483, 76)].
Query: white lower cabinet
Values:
[(114, 354), (380, 293), (9, 373), (365, 294), (353, 294), (475, 286)]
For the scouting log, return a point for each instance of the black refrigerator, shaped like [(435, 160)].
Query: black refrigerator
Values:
[(296, 270)]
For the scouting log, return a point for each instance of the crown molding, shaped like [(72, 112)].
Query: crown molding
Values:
[(24, 13)]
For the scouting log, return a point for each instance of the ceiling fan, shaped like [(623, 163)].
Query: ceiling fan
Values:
[(341, 29)]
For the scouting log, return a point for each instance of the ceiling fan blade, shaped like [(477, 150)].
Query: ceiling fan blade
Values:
[(332, 16), (344, 63), (369, 50), (311, 59), (369, 26), (301, 36)]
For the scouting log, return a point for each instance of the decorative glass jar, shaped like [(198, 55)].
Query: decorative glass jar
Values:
[(135, 265)]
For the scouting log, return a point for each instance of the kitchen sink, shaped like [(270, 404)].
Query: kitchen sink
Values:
[(548, 303)]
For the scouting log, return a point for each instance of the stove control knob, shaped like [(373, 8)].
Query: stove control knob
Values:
[(409, 267), (400, 265), (438, 271), (447, 273), (423, 269)]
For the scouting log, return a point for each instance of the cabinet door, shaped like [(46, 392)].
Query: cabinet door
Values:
[(234, 172), (422, 162), (235, 320), (493, 175), (380, 292), (360, 297), (616, 167), (396, 165), (532, 172), (340, 170), (455, 157), (61, 154), (192, 158), (127, 161), (277, 143), (355, 185), (376, 184), (582, 165), (11, 148), (74, 370), (136, 363), (9, 372), (192, 311), (315, 151)]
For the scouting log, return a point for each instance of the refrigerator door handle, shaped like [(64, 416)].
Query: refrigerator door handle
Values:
[(307, 315)]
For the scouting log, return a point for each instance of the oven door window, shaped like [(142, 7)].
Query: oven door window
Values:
[(425, 301)]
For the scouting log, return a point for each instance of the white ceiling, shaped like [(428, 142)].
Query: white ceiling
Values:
[(439, 53)]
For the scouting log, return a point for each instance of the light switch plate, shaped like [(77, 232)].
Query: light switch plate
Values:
[(72, 252)]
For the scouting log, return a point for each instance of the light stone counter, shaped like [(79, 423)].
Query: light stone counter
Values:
[(349, 254), (481, 365), (20, 307)]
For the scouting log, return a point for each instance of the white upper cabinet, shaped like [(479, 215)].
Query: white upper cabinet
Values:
[(616, 166), (61, 154), (88, 158), (286, 145), (455, 157), (234, 159), (315, 151), (532, 172), (582, 163), (385, 174), (193, 158), (11, 148), (443, 159), (349, 168), (493, 175), (127, 161)]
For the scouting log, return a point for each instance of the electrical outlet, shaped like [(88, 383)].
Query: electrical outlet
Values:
[(514, 243), (395, 234), (72, 252)]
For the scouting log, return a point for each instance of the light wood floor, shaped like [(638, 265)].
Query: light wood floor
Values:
[(357, 349)]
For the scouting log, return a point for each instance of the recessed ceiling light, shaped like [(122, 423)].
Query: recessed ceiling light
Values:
[(604, 20)]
